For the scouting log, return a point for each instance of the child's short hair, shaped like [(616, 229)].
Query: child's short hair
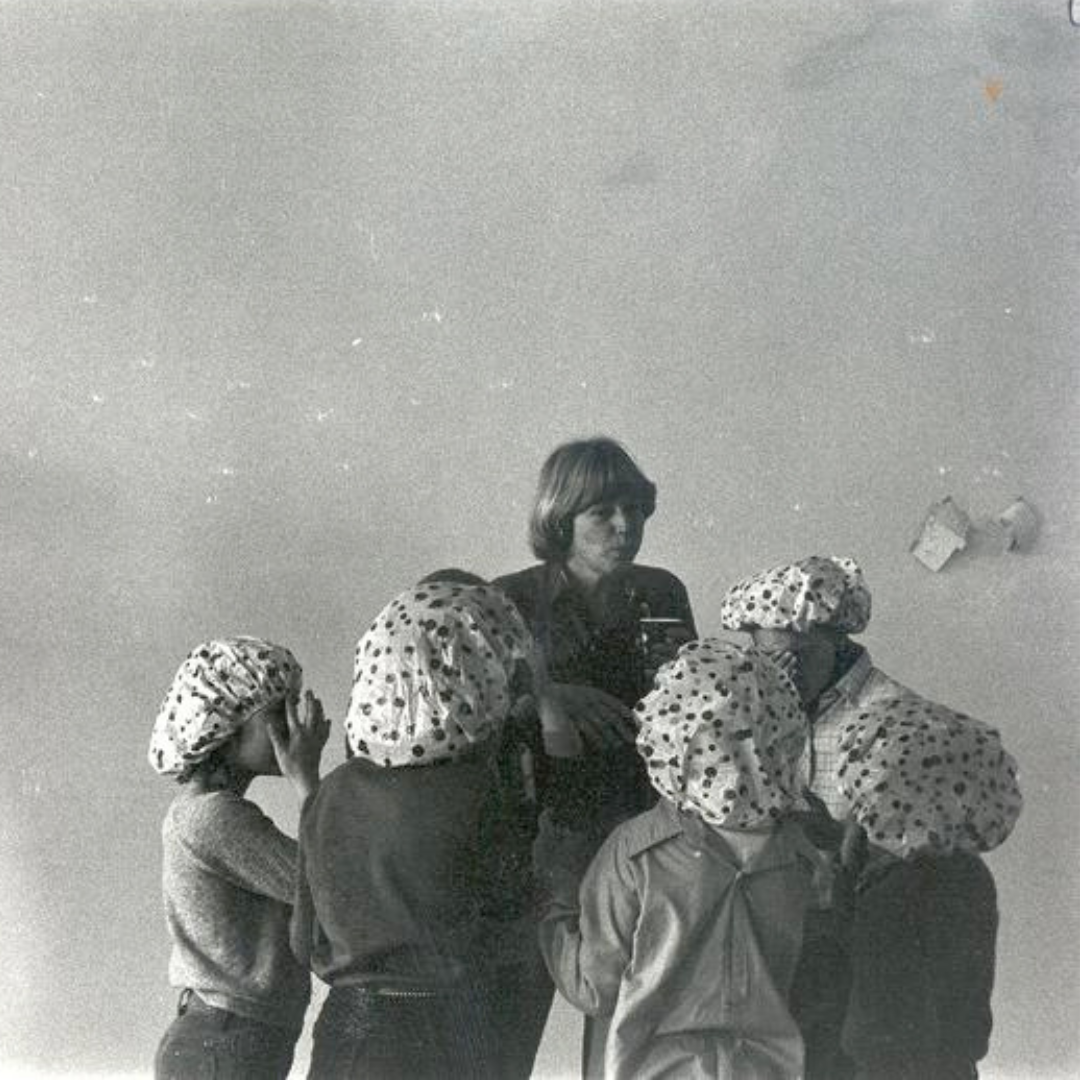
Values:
[(722, 733), (217, 689), (454, 575), (578, 475)]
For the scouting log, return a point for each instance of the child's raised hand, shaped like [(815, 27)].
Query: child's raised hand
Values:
[(298, 748)]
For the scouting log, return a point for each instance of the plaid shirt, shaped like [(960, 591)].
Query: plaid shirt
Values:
[(861, 684)]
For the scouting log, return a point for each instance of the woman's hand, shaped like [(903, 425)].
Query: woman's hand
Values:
[(603, 722), (561, 855), (298, 745), (560, 735)]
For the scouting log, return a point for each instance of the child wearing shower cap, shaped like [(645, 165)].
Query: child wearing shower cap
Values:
[(228, 873), (401, 860), (683, 935), (933, 790), (804, 614)]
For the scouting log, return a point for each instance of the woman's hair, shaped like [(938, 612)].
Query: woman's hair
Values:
[(576, 476)]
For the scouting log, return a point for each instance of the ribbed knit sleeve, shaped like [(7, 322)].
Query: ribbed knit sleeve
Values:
[(228, 879), (233, 839)]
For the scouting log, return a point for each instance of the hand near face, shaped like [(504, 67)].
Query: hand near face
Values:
[(298, 743), (788, 662)]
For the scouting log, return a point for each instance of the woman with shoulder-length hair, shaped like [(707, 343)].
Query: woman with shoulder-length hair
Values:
[(585, 602), (586, 598)]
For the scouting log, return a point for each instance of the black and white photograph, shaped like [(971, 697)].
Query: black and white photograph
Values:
[(539, 539)]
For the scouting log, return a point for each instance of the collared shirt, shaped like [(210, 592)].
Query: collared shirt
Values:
[(861, 684), (687, 951)]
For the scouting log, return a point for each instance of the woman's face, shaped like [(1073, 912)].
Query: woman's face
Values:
[(605, 536)]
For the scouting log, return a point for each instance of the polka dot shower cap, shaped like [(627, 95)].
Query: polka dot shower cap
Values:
[(722, 733), (433, 673), (922, 778), (818, 591), (220, 686)]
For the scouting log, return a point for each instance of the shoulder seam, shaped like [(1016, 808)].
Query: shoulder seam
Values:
[(649, 834)]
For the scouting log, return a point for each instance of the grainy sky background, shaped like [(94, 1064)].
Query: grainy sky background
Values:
[(296, 297)]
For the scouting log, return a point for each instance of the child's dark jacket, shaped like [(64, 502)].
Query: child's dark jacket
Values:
[(922, 950)]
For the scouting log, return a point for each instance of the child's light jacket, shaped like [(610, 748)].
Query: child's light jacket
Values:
[(687, 955)]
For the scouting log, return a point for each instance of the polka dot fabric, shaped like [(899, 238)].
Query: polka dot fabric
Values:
[(922, 778), (217, 689), (721, 734), (819, 591), (433, 673)]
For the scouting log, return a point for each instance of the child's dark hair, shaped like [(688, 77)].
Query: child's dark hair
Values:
[(454, 575), (214, 764)]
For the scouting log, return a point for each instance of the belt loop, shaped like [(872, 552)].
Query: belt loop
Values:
[(185, 999)]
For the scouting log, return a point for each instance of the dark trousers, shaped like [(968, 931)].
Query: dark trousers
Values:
[(920, 1067), (371, 1034), (819, 995), (520, 1003), (204, 1043)]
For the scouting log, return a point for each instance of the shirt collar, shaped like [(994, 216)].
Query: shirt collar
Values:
[(775, 853), (849, 685)]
